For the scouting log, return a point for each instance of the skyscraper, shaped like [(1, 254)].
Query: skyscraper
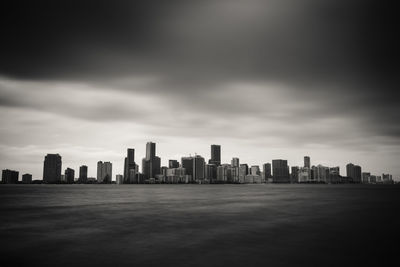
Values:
[(255, 170), (294, 175), (280, 171), (104, 172), (187, 163), (215, 155), (130, 167), (198, 168), (235, 162), (353, 172), (27, 178), (210, 172), (69, 175), (267, 170), (307, 163), (52, 168), (83, 171), (151, 164), (173, 163), (9, 176)]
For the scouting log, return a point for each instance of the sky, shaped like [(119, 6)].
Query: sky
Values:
[(264, 79)]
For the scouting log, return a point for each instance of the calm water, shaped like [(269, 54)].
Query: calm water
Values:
[(199, 225)]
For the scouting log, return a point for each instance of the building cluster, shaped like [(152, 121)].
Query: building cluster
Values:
[(195, 169)]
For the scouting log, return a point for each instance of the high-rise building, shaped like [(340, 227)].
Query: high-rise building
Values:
[(69, 175), (294, 175), (255, 170), (104, 172), (280, 171), (307, 163), (215, 155), (173, 163), (83, 174), (187, 163), (210, 172), (321, 174), (334, 175), (267, 170), (198, 168), (235, 162), (119, 179), (130, 169), (151, 164), (353, 172), (365, 177), (52, 168), (243, 172), (27, 178), (222, 173), (9, 176)]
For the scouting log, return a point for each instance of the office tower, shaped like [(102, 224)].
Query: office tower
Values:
[(27, 178), (211, 172), (243, 171), (52, 168), (198, 168), (365, 177), (307, 162), (173, 163), (151, 164), (353, 172), (294, 175), (187, 163), (130, 169), (9, 176), (334, 175), (320, 174), (233, 174), (255, 170), (215, 155), (280, 171), (119, 179), (83, 172), (69, 175), (104, 172), (222, 173), (267, 170), (235, 162)]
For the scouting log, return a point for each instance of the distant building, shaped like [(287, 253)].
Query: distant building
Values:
[(353, 172), (27, 178), (253, 179), (307, 162), (321, 174), (198, 168), (69, 175), (294, 175), (173, 163), (267, 170), (119, 179), (130, 169), (280, 171), (334, 175), (243, 172), (235, 162), (387, 178), (104, 172), (52, 168), (83, 174), (177, 175), (210, 173), (255, 170), (222, 173), (9, 176), (215, 155), (304, 175), (187, 163), (151, 164), (365, 177)]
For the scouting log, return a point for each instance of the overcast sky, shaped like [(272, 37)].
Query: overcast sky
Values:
[(264, 79)]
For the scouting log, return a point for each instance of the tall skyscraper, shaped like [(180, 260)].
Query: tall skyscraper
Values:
[(27, 178), (151, 164), (255, 170), (353, 172), (235, 162), (130, 170), (307, 163), (294, 175), (9, 176), (215, 155), (267, 170), (83, 174), (198, 168), (52, 168), (280, 171), (104, 172), (210, 172), (69, 175), (173, 163)]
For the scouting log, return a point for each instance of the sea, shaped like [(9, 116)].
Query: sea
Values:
[(199, 225)]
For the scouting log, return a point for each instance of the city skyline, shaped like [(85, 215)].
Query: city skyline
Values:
[(279, 170)]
